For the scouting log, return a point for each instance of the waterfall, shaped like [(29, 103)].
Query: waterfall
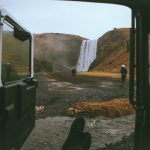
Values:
[(87, 55)]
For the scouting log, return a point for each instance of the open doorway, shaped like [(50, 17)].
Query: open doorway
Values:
[(63, 89)]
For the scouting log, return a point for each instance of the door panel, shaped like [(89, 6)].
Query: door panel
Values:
[(142, 135), (18, 114), (18, 91)]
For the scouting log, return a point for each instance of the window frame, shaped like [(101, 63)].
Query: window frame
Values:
[(1, 48), (15, 25), (149, 58)]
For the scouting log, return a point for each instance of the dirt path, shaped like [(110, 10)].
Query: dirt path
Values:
[(58, 93), (50, 133), (53, 124)]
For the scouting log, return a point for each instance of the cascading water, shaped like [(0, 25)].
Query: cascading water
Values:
[(87, 55)]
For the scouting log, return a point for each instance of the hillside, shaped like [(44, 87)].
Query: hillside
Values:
[(113, 51), (60, 52), (57, 51)]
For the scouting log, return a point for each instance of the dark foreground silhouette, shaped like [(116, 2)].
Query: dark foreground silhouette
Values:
[(77, 138), (80, 140)]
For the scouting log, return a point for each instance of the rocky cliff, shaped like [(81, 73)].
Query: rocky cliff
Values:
[(60, 52), (57, 52), (113, 51)]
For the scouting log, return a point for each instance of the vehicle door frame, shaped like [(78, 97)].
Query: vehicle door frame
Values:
[(142, 127)]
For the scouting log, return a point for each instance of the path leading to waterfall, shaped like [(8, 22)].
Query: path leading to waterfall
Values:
[(53, 122), (57, 93)]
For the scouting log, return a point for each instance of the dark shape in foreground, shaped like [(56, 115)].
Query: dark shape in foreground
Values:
[(80, 140), (77, 138)]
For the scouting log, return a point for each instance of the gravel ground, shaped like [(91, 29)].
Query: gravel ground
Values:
[(58, 93), (52, 125), (51, 132)]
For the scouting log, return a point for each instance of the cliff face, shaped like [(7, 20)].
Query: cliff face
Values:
[(57, 51), (113, 51), (60, 52)]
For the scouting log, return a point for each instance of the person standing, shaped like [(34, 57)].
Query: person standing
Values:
[(73, 71), (123, 75)]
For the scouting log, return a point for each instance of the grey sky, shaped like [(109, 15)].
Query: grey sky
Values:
[(89, 20)]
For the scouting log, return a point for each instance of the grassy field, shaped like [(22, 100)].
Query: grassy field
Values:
[(102, 74)]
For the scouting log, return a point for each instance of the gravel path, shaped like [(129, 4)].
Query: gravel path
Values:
[(53, 124), (58, 93), (51, 132)]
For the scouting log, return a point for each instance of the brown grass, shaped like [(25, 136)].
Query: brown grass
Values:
[(112, 109), (102, 74)]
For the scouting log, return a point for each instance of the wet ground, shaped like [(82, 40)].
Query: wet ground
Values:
[(53, 122)]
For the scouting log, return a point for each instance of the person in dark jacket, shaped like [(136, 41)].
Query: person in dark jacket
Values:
[(73, 71), (123, 75)]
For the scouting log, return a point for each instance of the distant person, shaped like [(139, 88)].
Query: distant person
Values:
[(123, 75), (73, 71)]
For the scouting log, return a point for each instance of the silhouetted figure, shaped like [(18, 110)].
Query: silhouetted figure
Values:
[(73, 71), (77, 138), (123, 75), (9, 73)]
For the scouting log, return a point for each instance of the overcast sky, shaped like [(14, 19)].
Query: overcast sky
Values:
[(90, 20)]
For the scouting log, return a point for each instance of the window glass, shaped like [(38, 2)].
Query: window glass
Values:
[(149, 54), (15, 54)]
